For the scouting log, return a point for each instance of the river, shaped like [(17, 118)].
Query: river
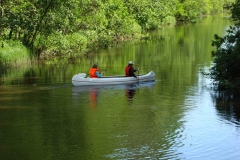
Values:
[(179, 116)]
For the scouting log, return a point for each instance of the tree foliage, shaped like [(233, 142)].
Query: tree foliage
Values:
[(95, 23), (226, 69)]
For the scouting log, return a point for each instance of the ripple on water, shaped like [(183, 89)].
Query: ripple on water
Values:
[(144, 152)]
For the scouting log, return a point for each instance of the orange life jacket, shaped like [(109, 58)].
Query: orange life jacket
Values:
[(127, 70), (92, 73)]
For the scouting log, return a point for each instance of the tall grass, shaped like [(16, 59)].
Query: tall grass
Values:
[(13, 53)]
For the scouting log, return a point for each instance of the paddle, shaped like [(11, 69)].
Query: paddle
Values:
[(138, 75), (138, 81), (84, 74)]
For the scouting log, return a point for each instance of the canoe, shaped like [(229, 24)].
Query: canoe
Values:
[(80, 79)]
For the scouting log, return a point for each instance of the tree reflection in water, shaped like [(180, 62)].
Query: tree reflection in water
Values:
[(228, 108)]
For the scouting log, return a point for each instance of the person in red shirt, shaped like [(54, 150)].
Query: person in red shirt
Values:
[(94, 72), (129, 70)]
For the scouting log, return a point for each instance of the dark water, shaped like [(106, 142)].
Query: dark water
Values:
[(42, 116)]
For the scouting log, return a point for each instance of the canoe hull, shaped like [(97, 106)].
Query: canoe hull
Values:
[(79, 80)]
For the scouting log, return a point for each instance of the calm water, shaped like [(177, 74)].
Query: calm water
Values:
[(42, 116)]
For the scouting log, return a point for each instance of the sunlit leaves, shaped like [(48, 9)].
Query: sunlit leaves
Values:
[(35, 21)]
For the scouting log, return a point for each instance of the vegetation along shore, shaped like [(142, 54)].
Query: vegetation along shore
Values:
[(48, 28)]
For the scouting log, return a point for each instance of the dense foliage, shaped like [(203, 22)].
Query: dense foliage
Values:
[(60, 26), (226, 69)]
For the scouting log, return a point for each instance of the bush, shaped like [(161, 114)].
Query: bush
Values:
[(59, 43), (226, 69)]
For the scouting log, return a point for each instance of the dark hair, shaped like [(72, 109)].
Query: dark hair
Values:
[(94, 66)]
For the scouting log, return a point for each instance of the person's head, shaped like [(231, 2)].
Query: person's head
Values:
[(94, 66), (130, 63)]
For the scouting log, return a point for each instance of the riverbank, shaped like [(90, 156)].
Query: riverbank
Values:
[(77, 27), (13, 53)]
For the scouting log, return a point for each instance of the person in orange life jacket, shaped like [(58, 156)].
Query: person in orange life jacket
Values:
[(129, 70), (94, 72)]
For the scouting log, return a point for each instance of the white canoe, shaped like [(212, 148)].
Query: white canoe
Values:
[(81, 79)]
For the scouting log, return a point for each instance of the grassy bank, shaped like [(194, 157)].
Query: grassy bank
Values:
[(13, 53)]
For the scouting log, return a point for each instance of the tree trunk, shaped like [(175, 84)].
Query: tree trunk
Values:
[(10, 34), (40, 22), (2, 14)]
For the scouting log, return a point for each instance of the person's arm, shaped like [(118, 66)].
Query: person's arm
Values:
[(98, 74), (136, 70), (131, 73)]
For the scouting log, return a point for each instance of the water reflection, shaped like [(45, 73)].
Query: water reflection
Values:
[(94, 91), (129, 87), (93, 97), (130, 92), (228, 109)]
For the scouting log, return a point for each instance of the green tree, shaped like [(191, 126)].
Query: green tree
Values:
[(226, 69), (27, 19), (188, 10), (60, 26)]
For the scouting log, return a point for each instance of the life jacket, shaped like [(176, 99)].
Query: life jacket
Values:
[(127, 70), (92, 73)]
